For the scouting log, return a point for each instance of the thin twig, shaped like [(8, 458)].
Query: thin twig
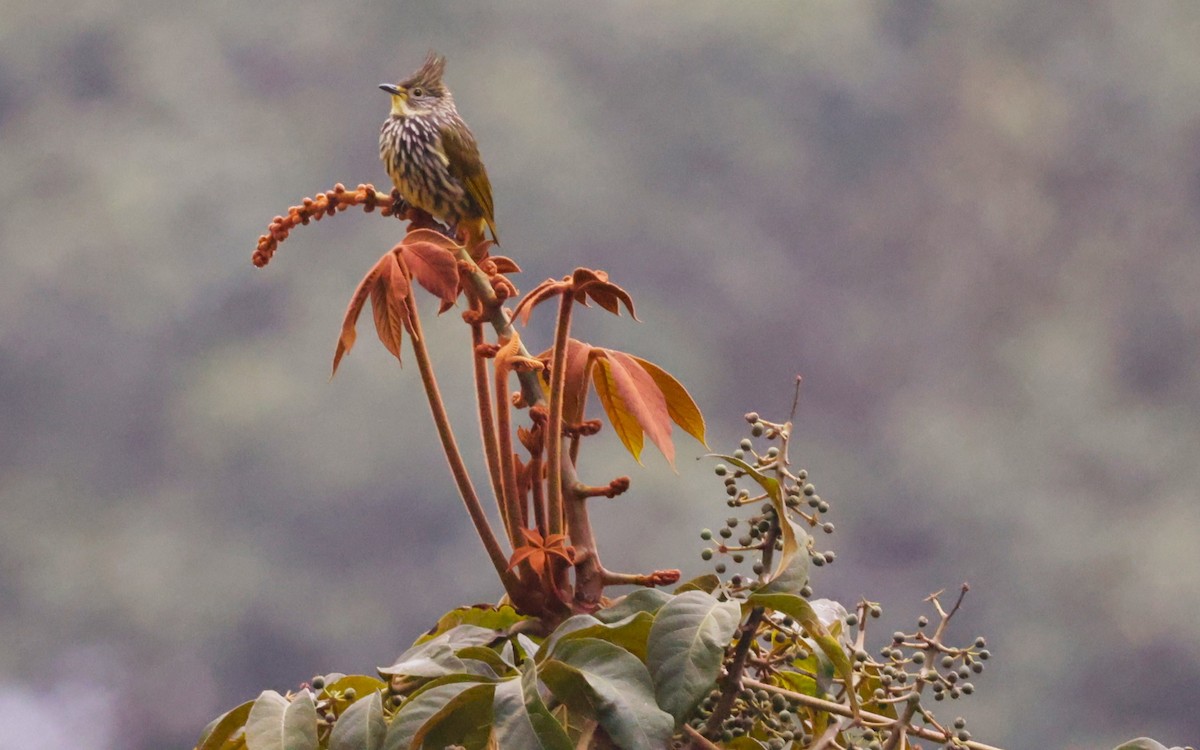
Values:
[(699, 740), (844, 710)]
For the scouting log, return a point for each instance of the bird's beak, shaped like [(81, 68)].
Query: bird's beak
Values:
[(391, 88)]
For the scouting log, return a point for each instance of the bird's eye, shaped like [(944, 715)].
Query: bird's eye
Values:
[(418, 91)]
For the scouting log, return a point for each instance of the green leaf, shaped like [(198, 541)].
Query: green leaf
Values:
[(468, 724), (521, 717), (642, 600), (221, 729), (362, 685), (1142, 743), (437, 657), (606, 682), (798, 682), (686, 646), (707, 583), (421, 714), (275, 723), (361, 726), (802, 611), (630, 634), (481, 615), (565, 628), (488, 656)]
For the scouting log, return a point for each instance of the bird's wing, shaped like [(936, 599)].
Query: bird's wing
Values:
[(463, 154)]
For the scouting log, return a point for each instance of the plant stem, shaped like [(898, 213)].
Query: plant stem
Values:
[(733, 678), (454, 457), (510, 493), (487, 422), (843, 710), (539, 495), (554, 426)]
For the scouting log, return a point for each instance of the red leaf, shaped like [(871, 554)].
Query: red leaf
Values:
[(643, 399), (353, 310), (575, 385), (432, 237), (433, 266), (539, 294), (388, 296), (619, 416), (680, 404), (504, 265)]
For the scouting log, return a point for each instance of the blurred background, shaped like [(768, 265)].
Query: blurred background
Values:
[(970, 227)]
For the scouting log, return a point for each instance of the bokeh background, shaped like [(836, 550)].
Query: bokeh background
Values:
[(972, 227)]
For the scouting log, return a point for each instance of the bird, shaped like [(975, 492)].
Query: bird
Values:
[(432, 157)]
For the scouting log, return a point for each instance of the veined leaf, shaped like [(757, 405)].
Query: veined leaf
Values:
[(643, 399), (682, 408), (348, 335), (361, 726), (707, 583), (275, 723), (388, 296), (686, 646), (605, 682), (802, 612), (487, 616), (575, 385), (630, 633), (641, 600), (224, 727), (623, 421), (430, 257), (436, 657), (521, 717), (360, 683), (426, 710)]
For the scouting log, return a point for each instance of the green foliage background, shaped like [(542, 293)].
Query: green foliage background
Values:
[(971, 227)]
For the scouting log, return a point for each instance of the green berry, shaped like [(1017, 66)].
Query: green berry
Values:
[(721, 470), (706, 554), (706, 534)]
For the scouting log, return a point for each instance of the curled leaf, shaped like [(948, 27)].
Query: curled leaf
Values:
[(536, 296), (433, 265), (587, 283)]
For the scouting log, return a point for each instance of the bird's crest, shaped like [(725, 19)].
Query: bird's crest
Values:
[(429, 75)]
